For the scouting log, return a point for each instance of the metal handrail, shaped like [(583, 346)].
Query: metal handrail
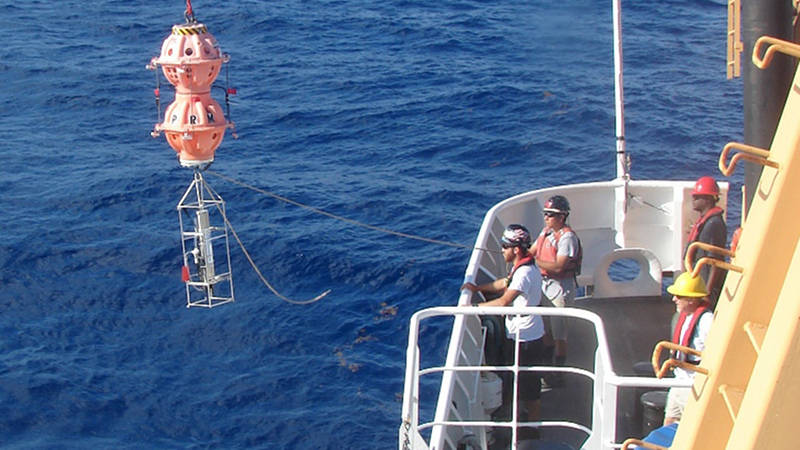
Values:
[(609, 378), (692, 249), (672, 362), (775, 45), (638, 442), (507, 424), (748, 153)]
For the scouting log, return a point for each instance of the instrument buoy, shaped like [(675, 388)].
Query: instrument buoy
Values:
[(194, 125)]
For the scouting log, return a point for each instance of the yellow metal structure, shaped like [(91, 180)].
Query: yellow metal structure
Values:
[(750, 396), (734, 38), (671, 363), (695, 271)]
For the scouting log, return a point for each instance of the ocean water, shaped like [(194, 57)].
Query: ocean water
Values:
[(410, 115)]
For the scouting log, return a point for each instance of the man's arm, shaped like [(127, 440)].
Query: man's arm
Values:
[(715, 233), (504, 300), (497, 285), (714, 275), (554, 267)]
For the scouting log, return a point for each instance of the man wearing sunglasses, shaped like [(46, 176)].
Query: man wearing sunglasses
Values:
[(558, 254)]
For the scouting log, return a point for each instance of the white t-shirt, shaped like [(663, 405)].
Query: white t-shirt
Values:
[(697, 342), (528, 282)]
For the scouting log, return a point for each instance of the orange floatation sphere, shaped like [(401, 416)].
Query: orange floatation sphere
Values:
[(194, 126), (194, 123), (190, 58)]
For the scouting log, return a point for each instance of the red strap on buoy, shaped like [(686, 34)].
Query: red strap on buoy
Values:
[(189, 12), (185, 274)]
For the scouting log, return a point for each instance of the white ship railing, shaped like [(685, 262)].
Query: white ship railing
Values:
[(600, 434)]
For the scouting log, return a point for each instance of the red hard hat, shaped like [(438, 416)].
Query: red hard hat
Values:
[(706, 186)]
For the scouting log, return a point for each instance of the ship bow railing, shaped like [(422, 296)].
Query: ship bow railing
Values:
[(458, 417)]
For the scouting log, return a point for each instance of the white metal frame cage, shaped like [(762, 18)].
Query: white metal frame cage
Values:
[(204, 234)]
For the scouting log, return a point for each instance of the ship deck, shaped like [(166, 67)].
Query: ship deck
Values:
[(633, 327)]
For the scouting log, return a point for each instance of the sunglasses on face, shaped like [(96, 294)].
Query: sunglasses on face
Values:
[(550, 214), (506, 246)]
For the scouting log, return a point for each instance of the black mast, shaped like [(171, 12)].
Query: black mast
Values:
[(764, 89)]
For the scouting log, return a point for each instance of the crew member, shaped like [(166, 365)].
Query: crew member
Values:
[(710, 228), (522, 287), (558, 254), (694, 321)]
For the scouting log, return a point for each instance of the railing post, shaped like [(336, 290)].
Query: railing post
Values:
[(608, 432), (411, 390)]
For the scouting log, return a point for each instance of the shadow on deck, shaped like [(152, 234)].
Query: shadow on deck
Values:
[(633, 327)]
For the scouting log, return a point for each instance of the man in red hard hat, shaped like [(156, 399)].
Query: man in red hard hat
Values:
[(710, 228)]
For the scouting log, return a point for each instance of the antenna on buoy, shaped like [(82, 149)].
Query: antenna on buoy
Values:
[(194, 125)]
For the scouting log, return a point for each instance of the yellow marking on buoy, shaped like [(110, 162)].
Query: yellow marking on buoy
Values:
[(189, 30)]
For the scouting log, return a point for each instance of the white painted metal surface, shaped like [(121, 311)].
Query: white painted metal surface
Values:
[(447, 433)]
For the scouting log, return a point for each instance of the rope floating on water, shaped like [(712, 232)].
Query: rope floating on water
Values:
[(258, 272), (345, 219), (324, 213)]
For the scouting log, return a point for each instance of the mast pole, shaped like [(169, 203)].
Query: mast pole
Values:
[(621, 159), (764, 90)]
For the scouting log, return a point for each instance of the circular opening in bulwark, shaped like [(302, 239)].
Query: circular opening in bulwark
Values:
[(625, 269), (214, 136), (188, 51)]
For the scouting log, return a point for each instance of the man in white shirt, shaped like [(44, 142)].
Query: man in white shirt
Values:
[(522, 287)]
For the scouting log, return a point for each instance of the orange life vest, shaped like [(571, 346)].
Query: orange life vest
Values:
[(526, 261), (547, 250), (695, 233)]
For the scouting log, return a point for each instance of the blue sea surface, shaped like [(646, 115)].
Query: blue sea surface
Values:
[(415, 116)]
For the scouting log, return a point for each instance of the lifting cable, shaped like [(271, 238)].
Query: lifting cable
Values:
[(189, 14), (345, 219), (646, 203), (255, 267), (324, 213)]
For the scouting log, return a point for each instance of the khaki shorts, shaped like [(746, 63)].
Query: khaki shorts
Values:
[(560, 293), (676, 401)]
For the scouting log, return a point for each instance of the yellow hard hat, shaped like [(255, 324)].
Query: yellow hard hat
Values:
[(687, 286)]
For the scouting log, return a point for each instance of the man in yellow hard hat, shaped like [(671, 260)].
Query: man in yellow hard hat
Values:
[(694, 320)]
